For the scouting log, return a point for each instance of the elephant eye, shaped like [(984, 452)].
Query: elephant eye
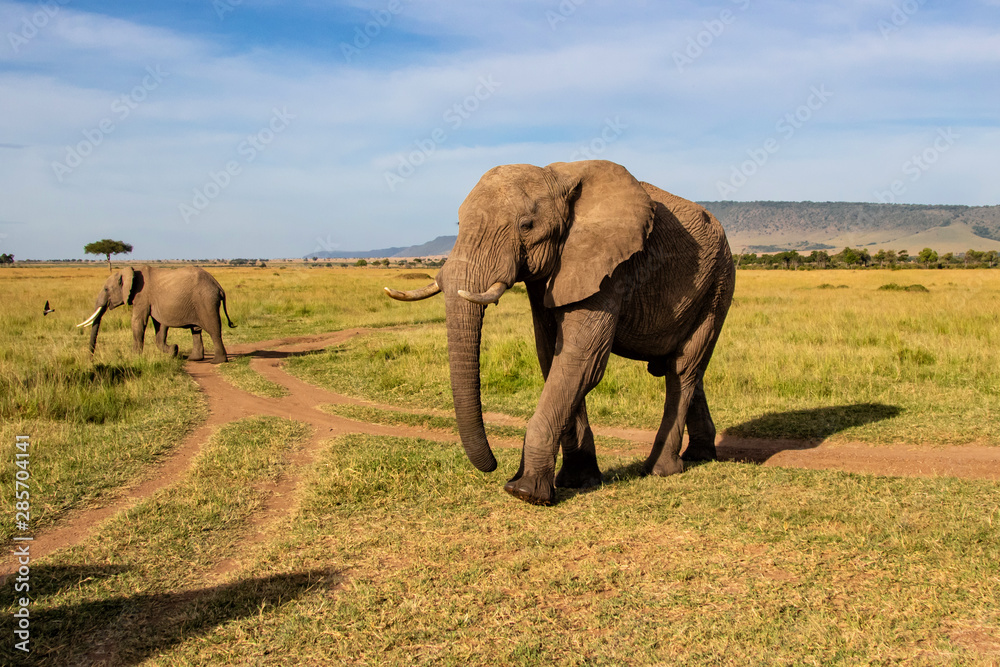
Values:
[(527, 225)]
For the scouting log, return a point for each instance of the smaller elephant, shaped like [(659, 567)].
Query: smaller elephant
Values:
[(186, 298)]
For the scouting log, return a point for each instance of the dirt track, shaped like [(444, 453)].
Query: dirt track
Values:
[(226, 404)]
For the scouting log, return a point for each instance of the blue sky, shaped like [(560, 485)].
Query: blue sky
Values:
[(261, 128)]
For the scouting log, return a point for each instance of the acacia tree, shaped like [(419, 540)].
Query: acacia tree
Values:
[(6, 259), (820, 257), (974, 256), (927, 256), (849, 256), (107, 247), (788, 258)]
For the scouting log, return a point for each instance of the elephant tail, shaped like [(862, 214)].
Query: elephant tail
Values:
[(222, 293)]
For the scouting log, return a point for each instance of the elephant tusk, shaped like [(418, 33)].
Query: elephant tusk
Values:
[(492, 295), (90, 320), (414, 294)]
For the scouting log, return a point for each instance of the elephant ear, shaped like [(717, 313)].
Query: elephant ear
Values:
[(610, 216), (128, 276)]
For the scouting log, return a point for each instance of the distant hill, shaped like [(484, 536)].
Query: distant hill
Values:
[(767, 226), (773, 226), (440, 246)]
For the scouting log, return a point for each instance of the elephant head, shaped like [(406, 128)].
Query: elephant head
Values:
[(568, 224), (119, 289)]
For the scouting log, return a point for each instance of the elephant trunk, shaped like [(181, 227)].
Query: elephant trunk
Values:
[(465, 325), (95, 327)]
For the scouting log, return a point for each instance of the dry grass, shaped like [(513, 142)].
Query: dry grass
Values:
[(897, 367), (727, 564), (396, 551)]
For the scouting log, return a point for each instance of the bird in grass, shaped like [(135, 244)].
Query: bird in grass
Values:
[(47, 309)]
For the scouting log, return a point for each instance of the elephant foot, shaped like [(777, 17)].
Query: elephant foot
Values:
[(172, 350), (700, 451), (666, 466), (579, 472), (220, 359), (534, 490), (194, 356)]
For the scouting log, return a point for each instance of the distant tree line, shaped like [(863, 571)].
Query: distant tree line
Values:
[(861, 257), (248, 262), (384, 263)]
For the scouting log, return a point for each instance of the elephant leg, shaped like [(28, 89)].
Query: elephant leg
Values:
[(157, 335), (583, 346), (664, 459), (139, 321), (683, 383), (215, 331), (197, 345), (579, 468), (161, 339), (700, 428)]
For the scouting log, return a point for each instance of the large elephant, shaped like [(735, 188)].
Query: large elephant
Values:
[(610, 265), (186, 298)]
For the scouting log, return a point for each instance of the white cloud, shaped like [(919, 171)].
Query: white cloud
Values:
[(324, 175)]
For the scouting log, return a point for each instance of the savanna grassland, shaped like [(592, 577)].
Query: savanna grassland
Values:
[(396, 551)]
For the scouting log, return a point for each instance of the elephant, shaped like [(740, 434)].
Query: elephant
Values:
[(186, 298), (610, 264)]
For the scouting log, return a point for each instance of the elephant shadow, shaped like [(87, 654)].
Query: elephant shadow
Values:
[(279, 354), (129, 629), (755, 440)]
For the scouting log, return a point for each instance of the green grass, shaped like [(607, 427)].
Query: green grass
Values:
[(123, 591), (96, 423), (896, 287), (238, 373), (903, 367), (373, 415), (727, 564), (396, 551), (268, 303)]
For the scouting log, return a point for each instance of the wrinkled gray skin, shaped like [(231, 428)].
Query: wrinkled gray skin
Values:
[(186, 298), (610, 265)]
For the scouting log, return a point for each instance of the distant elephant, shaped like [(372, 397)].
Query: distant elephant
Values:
[(610, 265), (186, 298)]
